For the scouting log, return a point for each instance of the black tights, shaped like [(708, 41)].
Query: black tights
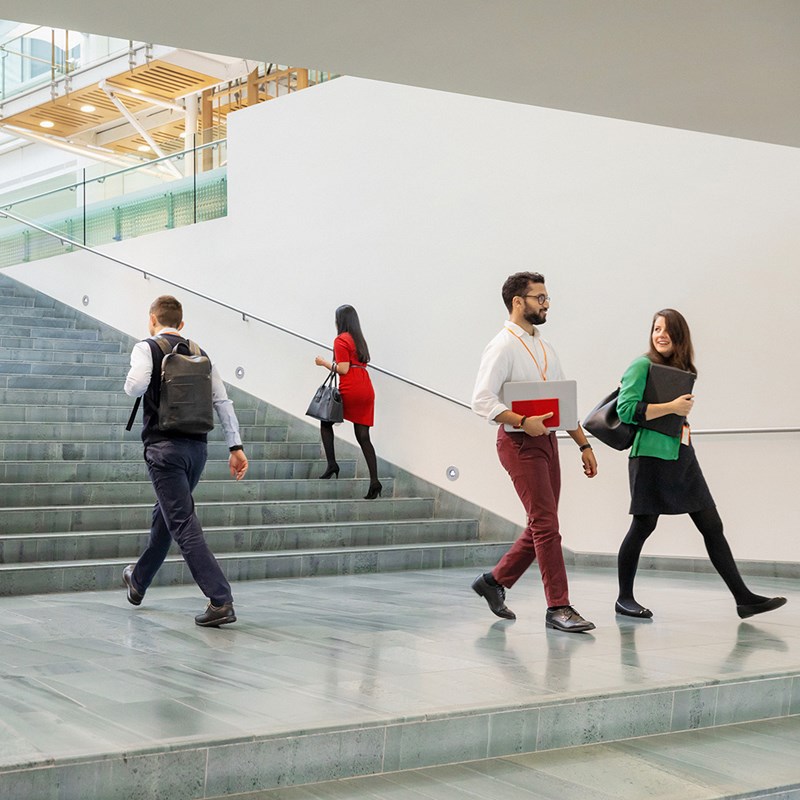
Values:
[(362, 437), (710, 525)]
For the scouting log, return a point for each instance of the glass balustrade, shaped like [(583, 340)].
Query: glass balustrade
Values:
[(31, 56), (108, 205)]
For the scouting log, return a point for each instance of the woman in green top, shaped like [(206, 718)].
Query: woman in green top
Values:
[(665, 477)]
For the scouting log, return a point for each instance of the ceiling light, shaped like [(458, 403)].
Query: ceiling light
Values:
[(88, 109), (45, 123), (144, 148), (136, 91), (183, 134)]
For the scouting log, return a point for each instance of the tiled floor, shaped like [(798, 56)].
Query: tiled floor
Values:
[(87, 673)]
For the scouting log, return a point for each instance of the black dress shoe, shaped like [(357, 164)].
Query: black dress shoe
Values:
[(567, 619), (495, 597), (214, 616), (632, 609), (751, 609), (134, 598)]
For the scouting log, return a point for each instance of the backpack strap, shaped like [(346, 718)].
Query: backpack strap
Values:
[(165, 347)]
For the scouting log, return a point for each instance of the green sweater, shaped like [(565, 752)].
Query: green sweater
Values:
[(647, 442)]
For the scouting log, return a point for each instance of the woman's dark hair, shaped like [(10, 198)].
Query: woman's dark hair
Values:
[(347, 322), (678, 329)]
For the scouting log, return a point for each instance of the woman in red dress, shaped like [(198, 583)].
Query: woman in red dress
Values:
[(350, 358)]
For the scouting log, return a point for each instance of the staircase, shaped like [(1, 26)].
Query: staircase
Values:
[(77, 501)]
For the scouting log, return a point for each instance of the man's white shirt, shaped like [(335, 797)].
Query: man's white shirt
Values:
[(510, 357)]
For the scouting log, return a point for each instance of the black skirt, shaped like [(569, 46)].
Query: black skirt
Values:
[(668, 487)]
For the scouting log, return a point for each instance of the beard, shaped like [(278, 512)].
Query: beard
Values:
[(536, 317)]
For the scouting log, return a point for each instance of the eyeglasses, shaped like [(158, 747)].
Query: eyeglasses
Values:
[(540, 298)]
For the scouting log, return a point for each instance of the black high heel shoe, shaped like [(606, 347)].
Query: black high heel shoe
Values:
[(375, 490), (330, 472)]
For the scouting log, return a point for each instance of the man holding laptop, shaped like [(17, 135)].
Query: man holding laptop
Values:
[(520, 370)]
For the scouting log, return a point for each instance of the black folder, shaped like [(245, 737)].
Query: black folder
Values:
[(664, 384)]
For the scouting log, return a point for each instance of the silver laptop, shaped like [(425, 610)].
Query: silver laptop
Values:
[(534, 398)]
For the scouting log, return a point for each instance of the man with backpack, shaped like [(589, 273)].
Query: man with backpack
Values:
[(179, 386)]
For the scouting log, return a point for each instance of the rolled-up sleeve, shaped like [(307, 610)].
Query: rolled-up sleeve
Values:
[(492, 374), (223, 406)]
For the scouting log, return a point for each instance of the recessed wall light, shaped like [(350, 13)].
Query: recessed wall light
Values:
[(88, 109), (45, 123)]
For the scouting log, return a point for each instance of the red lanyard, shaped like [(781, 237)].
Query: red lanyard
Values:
[(542, 375)]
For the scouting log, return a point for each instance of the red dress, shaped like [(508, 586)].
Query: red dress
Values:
[(358, 396)]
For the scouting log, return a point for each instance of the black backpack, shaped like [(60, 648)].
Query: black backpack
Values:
[(185, 398)]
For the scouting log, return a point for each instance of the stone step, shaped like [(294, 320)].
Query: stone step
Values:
[(34, 548), (33, 332), (102, 574), (77, 382), (63, 344), (8, 300), (110, 415), (121, 360), (59, 369), (115, 397), (128, 492), (94, 431), (132, 450), (28, 310), (745, 761), (41, 318), (61, 519), (135, 469)]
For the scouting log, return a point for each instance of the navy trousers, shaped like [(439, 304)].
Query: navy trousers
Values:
[(175, 467)]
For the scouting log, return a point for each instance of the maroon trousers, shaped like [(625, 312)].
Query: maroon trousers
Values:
[(532, 462)]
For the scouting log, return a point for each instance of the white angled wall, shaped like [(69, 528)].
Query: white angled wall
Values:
[(415, 205)]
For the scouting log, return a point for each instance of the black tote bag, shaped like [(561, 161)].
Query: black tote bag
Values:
[(604, 424), (326, 404)]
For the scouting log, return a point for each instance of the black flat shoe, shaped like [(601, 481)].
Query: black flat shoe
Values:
[(330, 472), (751, 609), (375, 490), (495, 596), (633, 610)]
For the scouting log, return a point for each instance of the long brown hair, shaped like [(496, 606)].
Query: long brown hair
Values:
[(678, 329)]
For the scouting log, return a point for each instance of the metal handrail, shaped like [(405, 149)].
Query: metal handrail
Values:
[(102, 178), (247, 315)]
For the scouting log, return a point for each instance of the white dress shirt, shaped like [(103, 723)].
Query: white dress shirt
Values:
[(139, 379), (506, 358)]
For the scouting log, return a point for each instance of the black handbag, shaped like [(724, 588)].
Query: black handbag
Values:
[(326, 405), (604, 424)]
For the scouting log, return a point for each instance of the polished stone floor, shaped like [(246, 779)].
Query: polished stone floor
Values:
[(85, 673)]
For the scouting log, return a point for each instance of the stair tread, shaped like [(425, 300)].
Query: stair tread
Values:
[(267, 526), (252, 554)]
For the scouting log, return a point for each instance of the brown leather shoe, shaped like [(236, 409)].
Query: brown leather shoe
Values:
[(214, 616), (495, 596), (567, 619), (134, 598)]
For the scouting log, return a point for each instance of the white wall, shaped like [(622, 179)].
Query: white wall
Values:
[(415, 205)]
